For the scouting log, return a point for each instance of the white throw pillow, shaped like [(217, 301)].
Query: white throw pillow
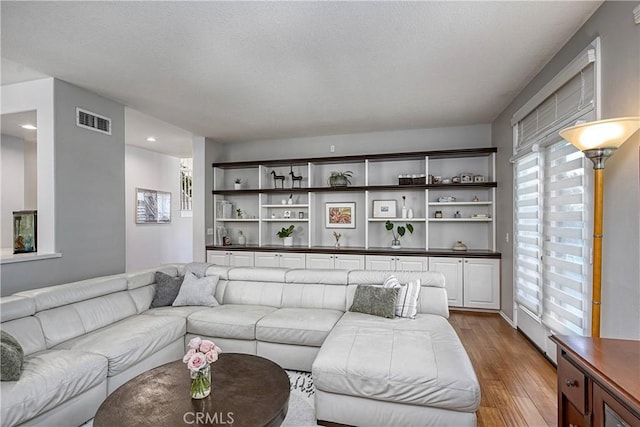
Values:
[(407, 302), (196, 291)]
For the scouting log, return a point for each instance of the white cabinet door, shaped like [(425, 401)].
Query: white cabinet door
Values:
[(451, 268), (482, 283), (320, 261), (218, 257), (412, 263), (380, 262), (292, 260), (266, 259), (349, 262), (241, 259)]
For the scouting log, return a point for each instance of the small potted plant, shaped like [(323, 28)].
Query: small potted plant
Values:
[(237, 184), (286, 235), (398, 233), (340, 179)]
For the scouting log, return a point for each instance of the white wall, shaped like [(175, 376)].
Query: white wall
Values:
[(148, 245), (30, 175), (361, 143), (37, 95), (12, 169)]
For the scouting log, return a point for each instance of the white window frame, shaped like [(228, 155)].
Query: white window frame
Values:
[(538, 144)]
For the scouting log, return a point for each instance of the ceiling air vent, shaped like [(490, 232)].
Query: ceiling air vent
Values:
[(88, 120)]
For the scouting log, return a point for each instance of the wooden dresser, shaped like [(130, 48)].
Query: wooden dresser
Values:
[(598, 382)]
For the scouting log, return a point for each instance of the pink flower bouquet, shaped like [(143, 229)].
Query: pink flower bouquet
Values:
[(199, 357)]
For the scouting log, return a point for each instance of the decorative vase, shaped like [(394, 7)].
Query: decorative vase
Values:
[(404, 212), (288, 241), (242, 240), (459, 246), (410, 213), (201, 383), (337, 245), (237, 186), (395, 244)]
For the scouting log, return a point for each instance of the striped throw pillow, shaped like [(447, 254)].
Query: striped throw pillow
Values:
[(407, 302)]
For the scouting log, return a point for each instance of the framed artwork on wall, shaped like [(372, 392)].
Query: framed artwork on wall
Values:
[(340, 215), (384, 208), (153, 207)]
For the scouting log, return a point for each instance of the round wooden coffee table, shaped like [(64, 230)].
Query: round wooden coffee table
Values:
[(246, 390)]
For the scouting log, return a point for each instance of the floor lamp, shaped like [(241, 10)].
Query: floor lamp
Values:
[(598, 141)]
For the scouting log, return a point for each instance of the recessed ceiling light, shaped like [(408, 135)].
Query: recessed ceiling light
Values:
[(28, 127), (151, 139)]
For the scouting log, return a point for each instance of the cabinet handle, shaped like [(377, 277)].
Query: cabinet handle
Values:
[(460, 261), (571, 383)]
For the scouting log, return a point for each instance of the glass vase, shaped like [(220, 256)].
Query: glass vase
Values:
[(201, 383), (395, 244)]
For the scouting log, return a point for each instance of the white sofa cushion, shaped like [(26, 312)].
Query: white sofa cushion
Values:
[(74, 320), (319, 276), (257, 274), (309, 295), (146, 277), (14, 307), (28, 332), (253, 292), (68, 293), (228, 321), (183, 311), (420, 362), (49, 378), (128, 341), (300, 326)]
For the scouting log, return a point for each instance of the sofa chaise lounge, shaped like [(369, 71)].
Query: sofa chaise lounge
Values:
[(83, 340)]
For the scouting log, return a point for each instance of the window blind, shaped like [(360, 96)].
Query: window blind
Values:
[(552, 207), (565, 262), (574, 99), (528, 232)]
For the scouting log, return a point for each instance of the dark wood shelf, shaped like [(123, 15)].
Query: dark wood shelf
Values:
[(361, 188), (359, 250), (436, 154)]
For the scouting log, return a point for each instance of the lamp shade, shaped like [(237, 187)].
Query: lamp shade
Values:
[(609, 133)]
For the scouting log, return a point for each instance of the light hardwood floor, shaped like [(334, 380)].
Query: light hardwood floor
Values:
[(518, 384)]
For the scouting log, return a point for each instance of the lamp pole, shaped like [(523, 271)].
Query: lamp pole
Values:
[(598, 141)]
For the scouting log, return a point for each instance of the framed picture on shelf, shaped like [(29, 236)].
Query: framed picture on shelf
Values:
[(340, 215), (384, 208)]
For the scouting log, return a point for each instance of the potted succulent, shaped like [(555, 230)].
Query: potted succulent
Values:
[(398, 233), (286, 235), (237, 184), (340, 178)]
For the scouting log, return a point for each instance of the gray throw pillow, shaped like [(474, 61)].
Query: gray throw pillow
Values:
[(11, 356), (196, 291), (167, 288), (375, 300)]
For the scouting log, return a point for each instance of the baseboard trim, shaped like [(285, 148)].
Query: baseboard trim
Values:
[(506, 318)]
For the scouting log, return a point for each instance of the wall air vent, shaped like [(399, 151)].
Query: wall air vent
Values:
[(95, 122)]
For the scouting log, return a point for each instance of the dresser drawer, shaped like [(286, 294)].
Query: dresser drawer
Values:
[(572, 383)]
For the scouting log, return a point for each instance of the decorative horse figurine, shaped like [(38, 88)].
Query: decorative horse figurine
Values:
[(295, 178), (277, 178)]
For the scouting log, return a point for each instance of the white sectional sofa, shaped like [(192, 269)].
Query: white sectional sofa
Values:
[(82, 340)]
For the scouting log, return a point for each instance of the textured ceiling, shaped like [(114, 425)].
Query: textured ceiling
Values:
[(236, 71)]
